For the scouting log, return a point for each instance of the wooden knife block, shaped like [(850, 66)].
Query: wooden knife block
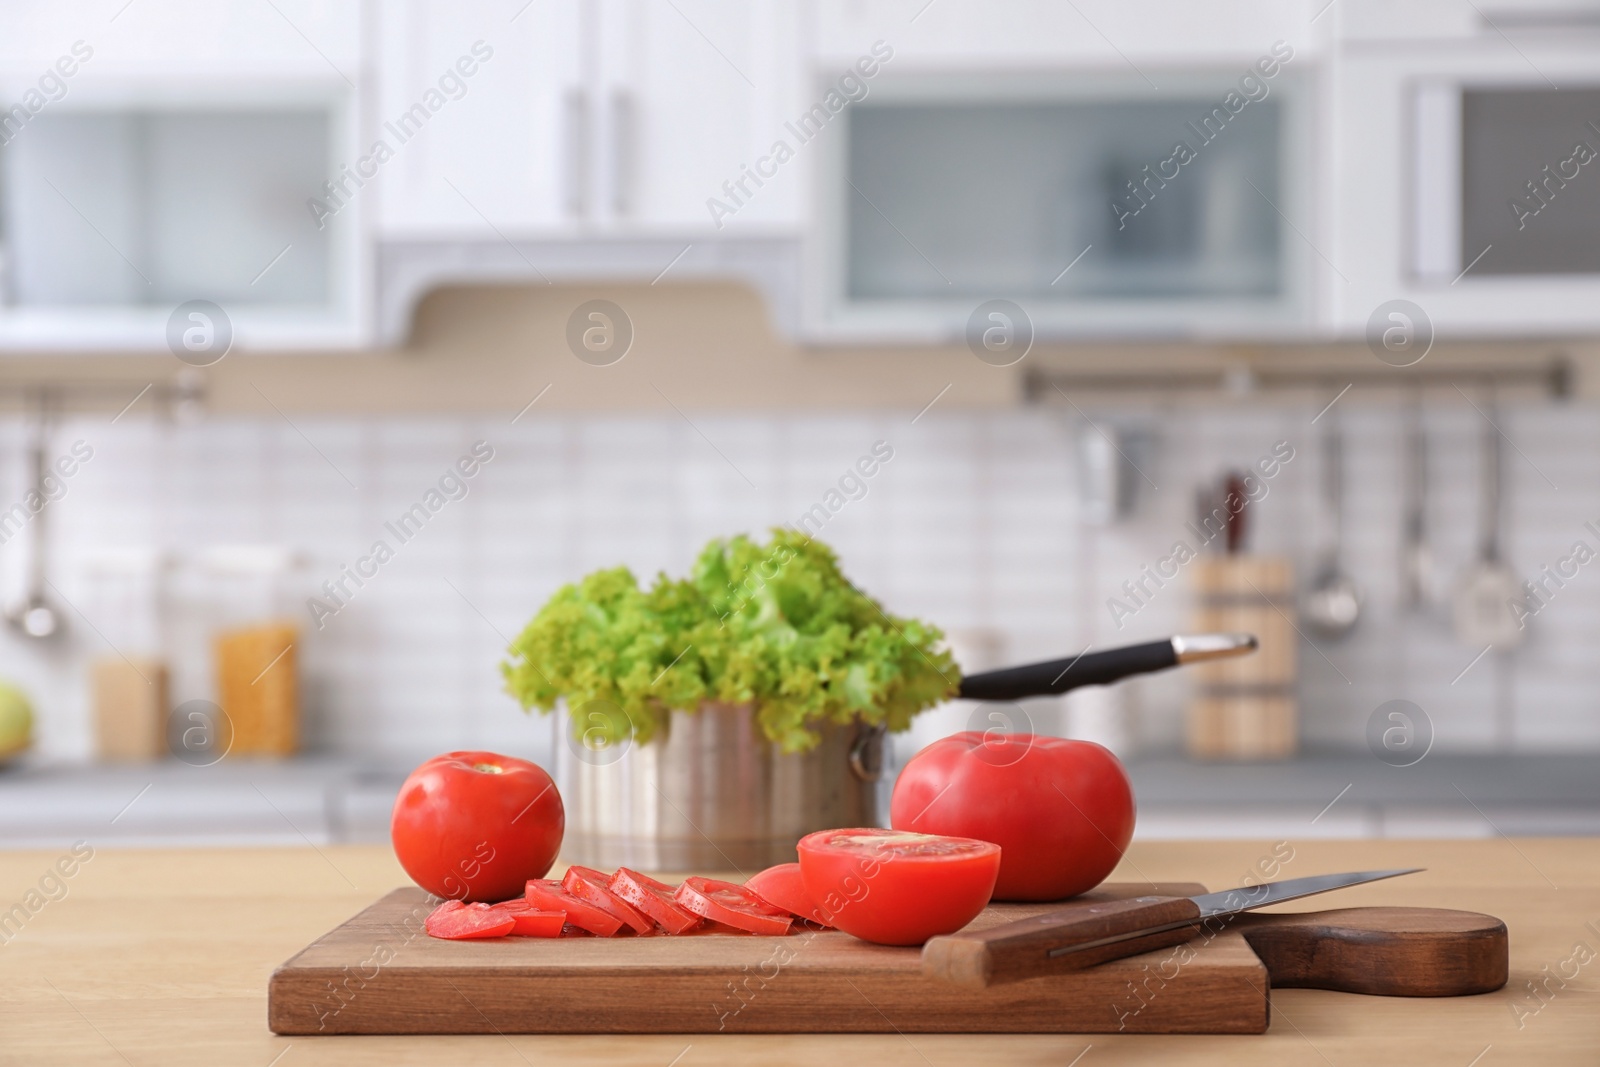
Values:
[(1244, 709)]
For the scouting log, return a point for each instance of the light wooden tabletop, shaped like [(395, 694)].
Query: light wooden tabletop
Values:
[(162, 957)]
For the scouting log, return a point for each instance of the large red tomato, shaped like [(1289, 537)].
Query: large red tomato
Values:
[(1061, 811), (476, 825)]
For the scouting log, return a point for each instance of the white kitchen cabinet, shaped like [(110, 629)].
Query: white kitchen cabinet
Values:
[(160, 152), (1374, 21), (998, 152), (1048, 33), (497, 152), (1116, 210), (1400, 232), (693, 94), (591, 117), (185, 41)]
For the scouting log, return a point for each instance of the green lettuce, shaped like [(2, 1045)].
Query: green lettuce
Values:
[(776, 626)]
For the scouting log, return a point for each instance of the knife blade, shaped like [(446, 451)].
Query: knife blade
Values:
[(1082, 936)]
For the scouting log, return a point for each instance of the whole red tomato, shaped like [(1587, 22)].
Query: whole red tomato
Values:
[(1061, 811), (477, 825)]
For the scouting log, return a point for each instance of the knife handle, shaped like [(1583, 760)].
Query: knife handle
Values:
[(1021, 949)]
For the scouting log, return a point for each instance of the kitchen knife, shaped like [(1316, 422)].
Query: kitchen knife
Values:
[(1101, 668), (1079, 937)]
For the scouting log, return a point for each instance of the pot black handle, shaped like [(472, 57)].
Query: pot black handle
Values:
[(1102, 668)]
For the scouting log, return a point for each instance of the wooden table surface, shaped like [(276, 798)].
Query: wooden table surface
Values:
[(162, 957)]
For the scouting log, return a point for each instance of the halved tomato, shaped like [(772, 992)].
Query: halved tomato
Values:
[(655, 899), (455, 921), (732, 905), (783, 887), (897, 888), (546, 894), (589, 884), (531, 922)]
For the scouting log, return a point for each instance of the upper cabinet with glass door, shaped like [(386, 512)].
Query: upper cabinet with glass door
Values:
[(1113, 169), (1116, 34), (1470, 177), (156, 155), (1095, 203)]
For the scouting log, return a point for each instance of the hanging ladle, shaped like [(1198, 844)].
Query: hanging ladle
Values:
[(34, 615), (1334, 602)]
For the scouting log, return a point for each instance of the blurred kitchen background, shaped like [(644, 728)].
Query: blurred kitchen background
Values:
[(267, 272)]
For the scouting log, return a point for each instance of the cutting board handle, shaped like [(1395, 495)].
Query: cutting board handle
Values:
[(1397, 952), (1392, 952), (1021, 949)]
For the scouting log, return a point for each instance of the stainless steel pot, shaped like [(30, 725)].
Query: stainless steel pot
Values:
[(710, 792)]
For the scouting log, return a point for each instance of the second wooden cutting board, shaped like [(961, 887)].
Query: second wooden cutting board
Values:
[(379, 973)]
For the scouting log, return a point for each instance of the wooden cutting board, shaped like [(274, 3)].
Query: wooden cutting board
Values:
[(378, 973)]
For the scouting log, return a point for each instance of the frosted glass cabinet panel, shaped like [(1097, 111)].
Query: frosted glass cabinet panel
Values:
[(1523, 150), (1099, 206), (134, 207), (1002, 197)]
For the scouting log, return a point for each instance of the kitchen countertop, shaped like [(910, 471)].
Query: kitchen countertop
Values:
[(1315, 778), (330, 799), (162, 956), (1354, 794)]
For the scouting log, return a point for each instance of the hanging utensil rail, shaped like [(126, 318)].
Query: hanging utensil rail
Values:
[(1554, 376), (66, 396)]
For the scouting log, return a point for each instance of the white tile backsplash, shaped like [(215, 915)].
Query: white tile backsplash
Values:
[(974, 523)]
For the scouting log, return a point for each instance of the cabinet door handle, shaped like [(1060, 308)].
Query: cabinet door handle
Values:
[(575, 119), (624, 151)]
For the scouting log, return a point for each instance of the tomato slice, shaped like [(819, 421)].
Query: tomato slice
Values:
[(530, 922), (782, 887), (546, 894), (732, 905), (588, 884), (898, 888), (655, 899), (455, 921)]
